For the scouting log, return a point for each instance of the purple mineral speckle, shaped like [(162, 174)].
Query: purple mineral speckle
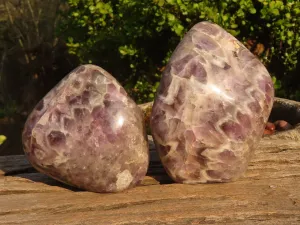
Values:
[(56, 138)]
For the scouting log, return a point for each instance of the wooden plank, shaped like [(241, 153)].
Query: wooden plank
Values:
[(280, 162), (267, 200), (270, 161), (269, 193), (14, 164)]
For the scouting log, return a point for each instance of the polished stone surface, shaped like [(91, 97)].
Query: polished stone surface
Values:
[(211, 107), (88, 133)]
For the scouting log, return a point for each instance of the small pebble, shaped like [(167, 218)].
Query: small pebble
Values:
[(282, 125), (270, 126), (268, 132)]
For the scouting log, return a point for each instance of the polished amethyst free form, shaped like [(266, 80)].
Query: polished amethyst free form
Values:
[(211, 107), (86, 132)]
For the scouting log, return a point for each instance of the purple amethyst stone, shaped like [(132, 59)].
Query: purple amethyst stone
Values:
[(86, 132), (211, 107)]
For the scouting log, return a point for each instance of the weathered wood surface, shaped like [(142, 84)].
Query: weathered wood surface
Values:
[(268, 194)]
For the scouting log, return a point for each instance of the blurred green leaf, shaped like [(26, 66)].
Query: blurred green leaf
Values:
[(2, 139), (134, 39), (275, 12), (252, 10)]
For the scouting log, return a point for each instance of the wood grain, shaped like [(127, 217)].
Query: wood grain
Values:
[(269, 193)]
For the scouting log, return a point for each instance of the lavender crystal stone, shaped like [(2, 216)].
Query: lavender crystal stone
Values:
[(211, 107), (88, 133)]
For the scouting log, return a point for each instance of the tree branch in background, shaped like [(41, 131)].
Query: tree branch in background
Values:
[(11, 20)]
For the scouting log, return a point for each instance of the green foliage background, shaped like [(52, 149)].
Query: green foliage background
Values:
[(133, 39), (43, 40)]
